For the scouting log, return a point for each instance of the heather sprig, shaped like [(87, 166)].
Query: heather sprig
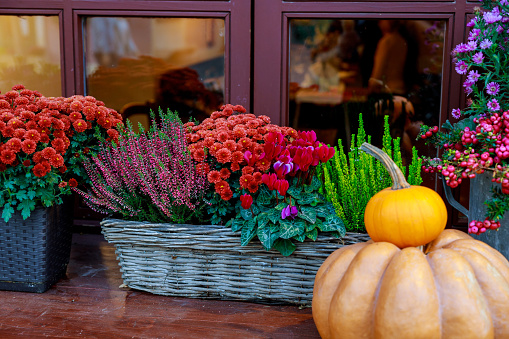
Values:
[(148, 171), (350, 180)]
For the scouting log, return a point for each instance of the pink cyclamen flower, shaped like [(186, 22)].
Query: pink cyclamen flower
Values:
[(269, 180), (289, 212), (282, 186)]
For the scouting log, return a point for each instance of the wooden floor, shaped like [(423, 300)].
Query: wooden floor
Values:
[(90, 304)]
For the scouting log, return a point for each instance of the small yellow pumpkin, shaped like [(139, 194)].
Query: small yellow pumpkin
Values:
[(403, 215), (457, 287)]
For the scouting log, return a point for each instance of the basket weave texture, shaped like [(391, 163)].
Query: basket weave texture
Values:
[(34, 253), (208, 262)]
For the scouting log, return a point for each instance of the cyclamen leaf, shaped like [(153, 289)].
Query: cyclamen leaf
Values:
[(264, 197), (295, 192), (307, 198), (284, 246), (313, 234), (321, 211), (300, 237), (237, 224), (308, 188), (267, 236), (308, 214), (290, 229), (274, 215), (248, 232), (334, 223), (315, 183), (281, 206), (246, 214), (263, 219)]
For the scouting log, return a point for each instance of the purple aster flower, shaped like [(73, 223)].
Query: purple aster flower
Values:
[(472, 45), (468, 90), (456, 113), (493, 105), (474, 34), (492, 88), (472, 22), (473, 76), (485, 44), (504, 2), (461, 67), (500, 29), (289, 212), (461, 48), (493, 16), (477, 58)]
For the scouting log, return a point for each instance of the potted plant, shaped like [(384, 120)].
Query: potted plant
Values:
[(41, 143), (228, 208), (475, 145)]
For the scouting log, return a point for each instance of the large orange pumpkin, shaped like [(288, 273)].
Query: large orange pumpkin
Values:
[(403, 215), (457, 287)]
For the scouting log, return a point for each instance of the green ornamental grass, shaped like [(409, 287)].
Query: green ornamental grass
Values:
[(350, 180)]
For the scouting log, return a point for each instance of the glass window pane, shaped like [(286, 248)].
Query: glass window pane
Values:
[(138, 64), (342, 67), (30, 53)]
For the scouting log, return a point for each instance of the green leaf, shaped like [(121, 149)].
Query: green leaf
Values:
[(229, 223), (300, 237), (7, 212), (280, 206), (315, 183), (248, 232), (313, 234), (290, 229), (284, 246), (295, 192), (26, 206), (307, 198), (267, 236), (333, 223), (310, 226), (264, 197), (263, 219), (274, 215), (31, 194), (246, 214), (308, 214), (321, 211)]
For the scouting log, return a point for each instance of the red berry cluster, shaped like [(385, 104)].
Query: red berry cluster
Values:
[(429, 133), (479, 227)]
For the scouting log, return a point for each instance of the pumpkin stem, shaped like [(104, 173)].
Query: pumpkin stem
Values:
[(398, 178)]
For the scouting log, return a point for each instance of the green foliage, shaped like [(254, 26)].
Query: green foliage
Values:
[(264, 218), (350, 180)]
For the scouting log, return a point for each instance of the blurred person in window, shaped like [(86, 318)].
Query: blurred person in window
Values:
[(111, 40), (348, 45)]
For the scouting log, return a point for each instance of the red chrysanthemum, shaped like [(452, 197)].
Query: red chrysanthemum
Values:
[(73, 182), (247, 170), (76, 105), (195, 137), (263, 165), (221, 186), (37, 157), (40, 170), (8, 131), (237, 156), (199, 155), (19, 133), (225, 173), (80, 125), (56, 161), (59, 145), (26, 163), (257, 177), (235, 167), (252, 187), (75, 116), (31, 125), (45, 122), (7, 156), (89, 112), (32, 134), (239, 131), (44, 138), (214, 177), (48, 152), (215, 148), (106, 121), (28, 146), (62, 184), (27, 115), (245, 180), (222, 136), (262, 130), (226, 194), (231, 145), (202, 168), (14, 144), (113, 134), (224, 155), (62, 169), (208, 141)]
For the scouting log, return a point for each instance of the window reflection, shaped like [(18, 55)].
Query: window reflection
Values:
[(30, 53), (136, 65), (340, 68)]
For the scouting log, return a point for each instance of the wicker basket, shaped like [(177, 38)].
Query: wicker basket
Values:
[(204, 261), (34, 253)]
